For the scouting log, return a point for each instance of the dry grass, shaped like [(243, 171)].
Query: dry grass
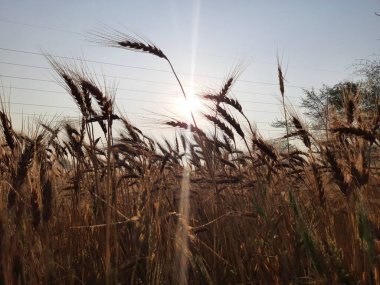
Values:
[(76, 209)]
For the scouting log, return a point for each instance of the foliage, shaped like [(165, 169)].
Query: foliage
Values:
[(319, 105)]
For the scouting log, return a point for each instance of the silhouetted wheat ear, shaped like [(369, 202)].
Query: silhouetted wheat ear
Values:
[(360, 174), (367, 135), (24, 162), (296, 157), (228, 143), (222, 95), (7, 130), (75, 93), (19, 176), (121, 40), (301, 131), (319, 184), (36, 212), (183, 142), (53, 132), (281, 80), (176, 144), (233, 103), (185, 126), (104, 103), (230, 120), (351, 102), (71, 130), (178, 124), (337, 171), (47, 200), (219, 145), (135, 45), (376, 119), (350, 109), (71, 83), (133, 133), (265, 148), (210, 97), (75, 140), (87, 102), (219, 97), (220, 125), (227, 162), (297, 123), (226, 87)]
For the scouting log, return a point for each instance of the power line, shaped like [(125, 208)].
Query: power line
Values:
[(146, 68), (57, 115), (73, 32), (39, 27), (53, 81), (141, 100), (168, 128), (127, 78), (41, 115), (26, 65), (205, 53), (55, 106), (86, 60), (62, 92), (28, 78), (73, 118), (132, 113), (74, 108), (51, 115), (112, 76), (144, 91), (38, 105)]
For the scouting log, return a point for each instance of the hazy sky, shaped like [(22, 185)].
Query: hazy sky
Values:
[(318, 42)]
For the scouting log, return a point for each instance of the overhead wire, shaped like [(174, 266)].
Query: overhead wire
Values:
[(198, 52), (146, 68), (126, 99), (127, 78), (148, 91)]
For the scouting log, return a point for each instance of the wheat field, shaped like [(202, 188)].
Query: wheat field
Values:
[(98, 202)]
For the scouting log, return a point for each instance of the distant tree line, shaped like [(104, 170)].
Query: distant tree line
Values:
[(327, 103)]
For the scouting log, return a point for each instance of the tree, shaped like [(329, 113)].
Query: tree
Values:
[(329, 102), (370, 71), (319, 105)]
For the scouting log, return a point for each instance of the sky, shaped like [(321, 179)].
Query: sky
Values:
[(317, 42)]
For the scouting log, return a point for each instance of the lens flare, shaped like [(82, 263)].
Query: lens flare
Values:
[(192, 104)]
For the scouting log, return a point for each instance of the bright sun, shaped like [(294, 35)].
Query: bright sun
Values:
[(192, 104)]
